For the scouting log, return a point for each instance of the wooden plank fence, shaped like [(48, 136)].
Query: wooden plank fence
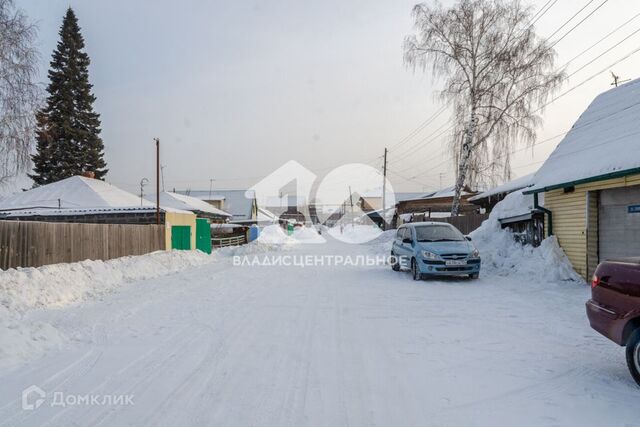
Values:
[(32, 244), (465, 223)]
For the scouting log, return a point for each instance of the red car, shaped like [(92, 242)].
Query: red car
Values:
[(614, 307)]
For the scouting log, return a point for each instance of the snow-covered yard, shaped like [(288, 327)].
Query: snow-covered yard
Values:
[(225, 344)]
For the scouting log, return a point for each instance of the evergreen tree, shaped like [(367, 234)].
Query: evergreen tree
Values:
[(68, 130)]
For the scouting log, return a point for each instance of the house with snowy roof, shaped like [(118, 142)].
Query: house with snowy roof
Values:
[(491, 197), (199, 207), (81, 199), (591, 182), (241, 204), (434, 204)]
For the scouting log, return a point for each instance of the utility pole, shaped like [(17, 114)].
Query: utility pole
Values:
[(351, 202), (157, 180), (210, 186), (384, 191)]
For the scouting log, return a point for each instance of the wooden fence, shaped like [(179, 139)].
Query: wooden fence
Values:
[(465, 223), (32, 244)]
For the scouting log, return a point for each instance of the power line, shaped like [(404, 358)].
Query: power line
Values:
[(604, 53), (578, 24), (601, 40), (537, 17), (571, 19), (424, 142), (419, 128)]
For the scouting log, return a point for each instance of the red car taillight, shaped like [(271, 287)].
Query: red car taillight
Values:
[(595, 282)]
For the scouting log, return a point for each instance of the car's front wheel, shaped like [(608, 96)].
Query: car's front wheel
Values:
[(415, 272), (633, 355), (395, 262), (474, 275)]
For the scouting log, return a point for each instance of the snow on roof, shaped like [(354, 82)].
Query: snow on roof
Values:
[(507, 187), (187, 203), (73, 192), (265, 215), (235, 201), (445, 192), (604, 140), (84, 211)]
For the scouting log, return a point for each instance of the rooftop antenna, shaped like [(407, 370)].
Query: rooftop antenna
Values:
[(617, 81)]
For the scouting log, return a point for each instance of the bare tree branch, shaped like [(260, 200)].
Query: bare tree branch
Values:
[(19, 94), (497, 75)]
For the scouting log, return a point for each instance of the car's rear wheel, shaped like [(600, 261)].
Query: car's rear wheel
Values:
[(633, 355), (395, 265), (415, 273)]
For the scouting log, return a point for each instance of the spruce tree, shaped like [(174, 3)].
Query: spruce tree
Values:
[(68, 130)]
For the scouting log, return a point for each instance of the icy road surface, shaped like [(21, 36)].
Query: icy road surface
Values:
[(328, 346)]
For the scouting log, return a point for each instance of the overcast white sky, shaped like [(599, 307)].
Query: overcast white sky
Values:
[(236, 88)]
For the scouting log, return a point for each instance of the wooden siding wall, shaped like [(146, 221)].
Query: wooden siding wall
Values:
[(33, 244), (569, 220), (569, 224), (465, 223)]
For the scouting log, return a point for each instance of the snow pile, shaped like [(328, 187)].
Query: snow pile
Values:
[(514, 204), (307, 235), (381, 245), (356, 233), (53, 286), (274, 235), (503, 256), (58, 285)]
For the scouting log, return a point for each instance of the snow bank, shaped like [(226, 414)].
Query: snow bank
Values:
[(514, 204), (503, 256), (274, 235), (307, 235), (356, 233), (58, 285)]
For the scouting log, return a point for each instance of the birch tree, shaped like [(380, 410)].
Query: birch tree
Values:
[(19, 92), (497, 75)]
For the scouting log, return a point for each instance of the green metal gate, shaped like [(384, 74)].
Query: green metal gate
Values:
[(181, 237), (203, 235)]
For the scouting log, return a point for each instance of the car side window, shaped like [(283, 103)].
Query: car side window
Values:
[(400, 233), (407, 234)]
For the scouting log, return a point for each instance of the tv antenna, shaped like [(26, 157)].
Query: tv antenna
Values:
[(616, 80)]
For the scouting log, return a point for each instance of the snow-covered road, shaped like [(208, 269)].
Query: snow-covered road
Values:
[(350, 345)]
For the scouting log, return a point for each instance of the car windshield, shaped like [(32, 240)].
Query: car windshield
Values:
[(438, 233)]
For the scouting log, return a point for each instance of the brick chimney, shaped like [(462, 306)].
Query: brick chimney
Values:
[(89, 174)]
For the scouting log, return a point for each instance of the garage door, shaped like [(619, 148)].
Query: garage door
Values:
[(619, 223)]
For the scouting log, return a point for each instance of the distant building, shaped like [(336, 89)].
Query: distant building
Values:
[(241, 204), (199, 207), (488, 199), (432, 205)]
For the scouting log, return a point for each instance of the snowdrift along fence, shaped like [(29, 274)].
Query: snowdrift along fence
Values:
[(465, 223), (32, 244)]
